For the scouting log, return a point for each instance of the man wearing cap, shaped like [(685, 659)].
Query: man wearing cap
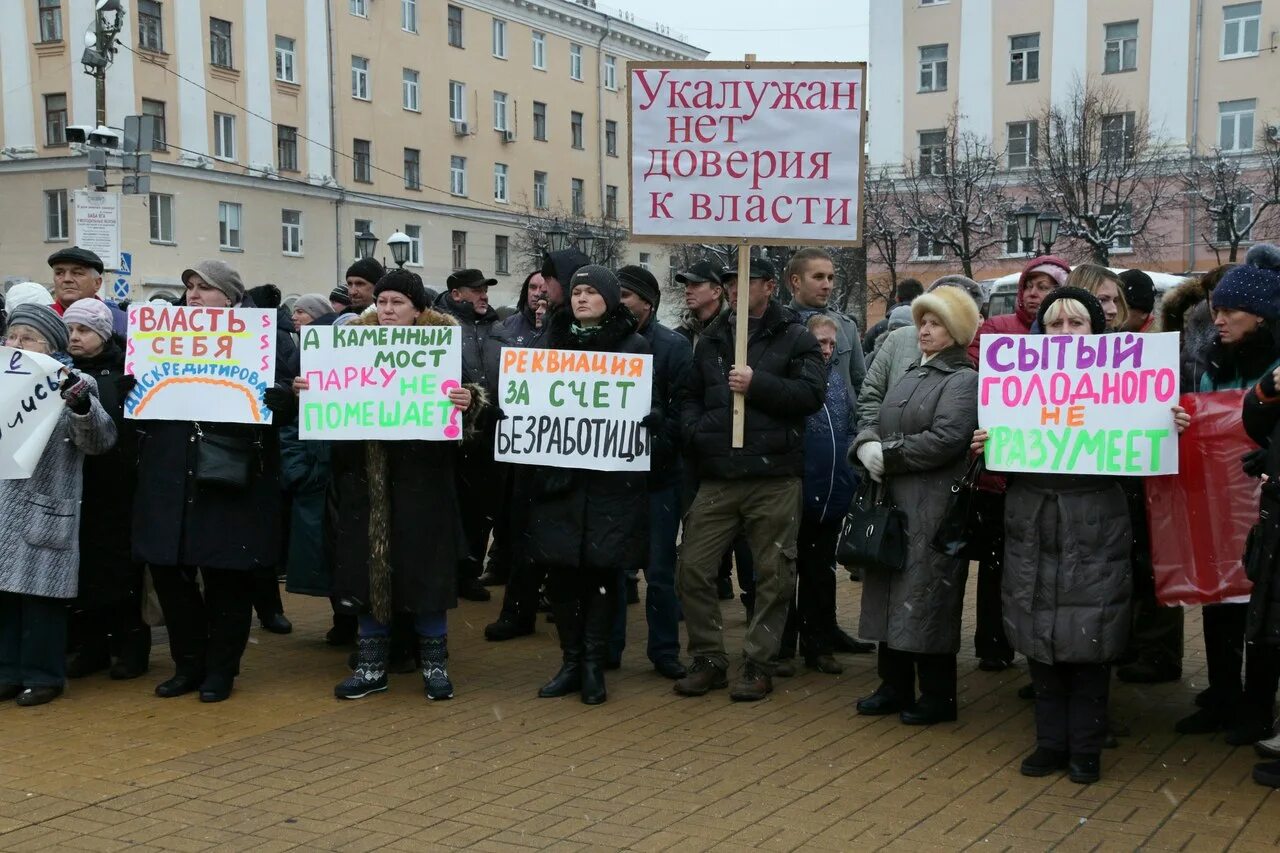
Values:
[(672, 356), (1140, 296), (757, 486), (811, 276), (467, 299), (340, 298), (77, 274), (361, 277), (704, 298)]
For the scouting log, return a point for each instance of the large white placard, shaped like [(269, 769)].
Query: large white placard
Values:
[(30, 405)]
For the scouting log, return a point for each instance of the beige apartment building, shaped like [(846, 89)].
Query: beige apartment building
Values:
[(1205, 72), (291, 125)]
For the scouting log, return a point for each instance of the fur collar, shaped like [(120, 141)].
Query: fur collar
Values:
[(1179, 301)]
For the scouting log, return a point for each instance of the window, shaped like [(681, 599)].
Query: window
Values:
[(409, 15), (500, 182), (55, 119), (286, 60), (363, 225), (455, 26), (540, 190), (1235, 125), (927, 249), (286, 148), (360, 78), (224, 136), (1117, 136), (160, 207), (502, 254), (933, 152), (575, 62), (228, 225), (1122, 218), (610, 201), (1243, 220), (575, 129), (577, 197), (359, 8), (220, 43), (459, 243), (291, 232), (499, 38), (414, 233), (50, 20), (409, 89), (1012, 240), (150, 28), (1240, 24), (1022, 143), (645, 260), (611, 138), (1122, 47), (1024, 58), (412, 169), (458, 175), (611, 72), (499, 110), (540, 51), (155, 109), (362, 161), (55, 214), (457, 101), (540, 121), (933, 68)]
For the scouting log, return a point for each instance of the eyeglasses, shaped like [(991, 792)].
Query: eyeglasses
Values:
[(23, 341)]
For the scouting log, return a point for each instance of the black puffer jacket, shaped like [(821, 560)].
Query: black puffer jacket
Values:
[(481, 343), (788, 384), (1262, 555)]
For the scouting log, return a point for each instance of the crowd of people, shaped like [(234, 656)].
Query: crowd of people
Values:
[(127, 524)]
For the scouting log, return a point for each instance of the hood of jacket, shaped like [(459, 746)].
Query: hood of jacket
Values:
[(1026, 315), (1179, 301)]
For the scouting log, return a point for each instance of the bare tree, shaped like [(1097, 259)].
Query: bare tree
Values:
[(608, 239), (953, 195), (1232, 195), (884, 232), (1098, 164)]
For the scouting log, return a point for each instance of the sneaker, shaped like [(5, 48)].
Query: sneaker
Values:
[(1043, 761), (703, 677), (753, 685)]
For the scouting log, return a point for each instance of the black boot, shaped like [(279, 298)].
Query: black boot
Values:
[(569, 628), (595, 645), (134, 654), (434, 652), (370, 672)]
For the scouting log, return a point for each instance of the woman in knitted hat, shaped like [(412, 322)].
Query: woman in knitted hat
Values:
[(40, 516), (1067, 582), (915, 446)]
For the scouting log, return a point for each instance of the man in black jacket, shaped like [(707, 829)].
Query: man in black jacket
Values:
[(757, 486)]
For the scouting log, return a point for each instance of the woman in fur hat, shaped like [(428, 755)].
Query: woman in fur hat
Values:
[(915, 444), (399, 535)]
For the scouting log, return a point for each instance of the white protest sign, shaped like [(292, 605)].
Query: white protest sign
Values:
[(194, 363), (98, 225), (30, 406), (384, 382), (1093, 404), (770, 152), (574, 409)]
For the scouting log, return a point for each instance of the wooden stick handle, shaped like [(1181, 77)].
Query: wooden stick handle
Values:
[(740, 340)]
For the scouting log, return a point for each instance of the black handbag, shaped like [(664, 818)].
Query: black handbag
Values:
[(874, 534), (224, 461), (955, 535)]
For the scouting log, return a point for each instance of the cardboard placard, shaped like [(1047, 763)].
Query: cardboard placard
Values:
[(30, 406)]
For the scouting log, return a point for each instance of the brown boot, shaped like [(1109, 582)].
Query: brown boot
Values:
[(703, 677), (752, 686)]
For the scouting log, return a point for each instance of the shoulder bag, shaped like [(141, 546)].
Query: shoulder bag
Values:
[(874, 532)]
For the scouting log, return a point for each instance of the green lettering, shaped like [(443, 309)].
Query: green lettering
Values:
[(1091, 443), (310, 338)]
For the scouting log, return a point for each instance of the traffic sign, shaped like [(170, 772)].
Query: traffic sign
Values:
[(126, 263), (121, 288)]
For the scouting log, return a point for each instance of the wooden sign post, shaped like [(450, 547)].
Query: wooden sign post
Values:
[(749, 153)]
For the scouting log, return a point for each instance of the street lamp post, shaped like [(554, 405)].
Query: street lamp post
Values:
[(1026, 217), (398, 243), (366, 244), (586, 244), (100, 50), (1048, 224), (557, 239)]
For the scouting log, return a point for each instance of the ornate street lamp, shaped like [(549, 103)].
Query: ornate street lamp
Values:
[(398, 243), (557, 239), (586, 243), (1026, 217), (1048, 224), (366, 243)]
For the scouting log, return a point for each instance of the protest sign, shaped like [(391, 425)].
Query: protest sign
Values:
[(30, 405), (1093, 404), (716, 152), (194, 363), (383, 382), (574, 409)]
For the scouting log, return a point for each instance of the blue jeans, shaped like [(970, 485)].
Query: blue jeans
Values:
[(433, 623), (33, 640), (661, 607)]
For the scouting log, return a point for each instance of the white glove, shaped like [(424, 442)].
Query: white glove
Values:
[(871, 455)]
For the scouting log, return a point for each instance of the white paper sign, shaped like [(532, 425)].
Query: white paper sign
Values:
[(30, 406), (774, 151), (98, 225), (385, 382), (574, 409), (1094, 404), (200, 364)]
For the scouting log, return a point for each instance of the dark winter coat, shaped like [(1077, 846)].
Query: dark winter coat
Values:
[(672, 357), (925, 426), (853, 366), (107, 569), (1231, 368), (1262, 554), (591, 521), (481, 343), (305, 474), (788, 384), (1185, 309), (828, 479), (691, 328), (400, 534)]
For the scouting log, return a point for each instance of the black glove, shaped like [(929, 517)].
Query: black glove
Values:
[(498, 414), (75, 391), (1254, 463), (281, 401), (652, 421)]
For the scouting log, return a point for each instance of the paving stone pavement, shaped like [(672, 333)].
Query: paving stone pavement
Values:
[(284, 766)]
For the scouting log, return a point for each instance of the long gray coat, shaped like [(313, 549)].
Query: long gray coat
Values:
[(896, 351), (40, 516), (1067, 585), (925, 424)]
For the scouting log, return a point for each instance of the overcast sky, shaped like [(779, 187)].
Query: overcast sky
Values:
[(775, 30)]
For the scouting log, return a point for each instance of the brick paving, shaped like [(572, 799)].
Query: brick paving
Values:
[(284, 766)]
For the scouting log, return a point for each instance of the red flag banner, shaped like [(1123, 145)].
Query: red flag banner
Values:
[(1201, 516)]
